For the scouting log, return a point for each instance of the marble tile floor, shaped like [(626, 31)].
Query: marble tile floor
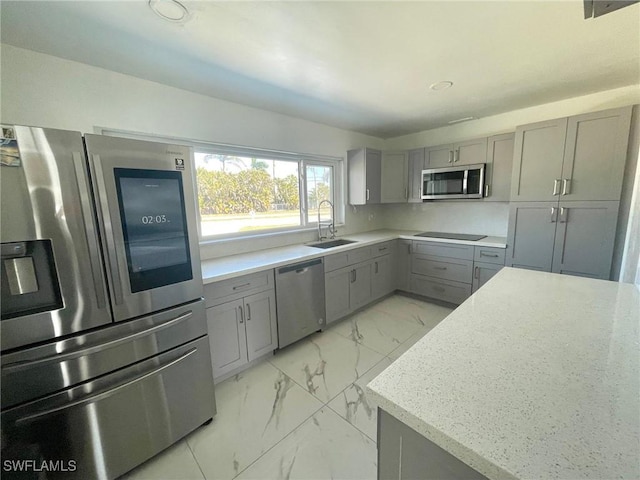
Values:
[(303, 413)]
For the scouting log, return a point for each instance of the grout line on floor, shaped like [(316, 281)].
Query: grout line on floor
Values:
[(204, 477)]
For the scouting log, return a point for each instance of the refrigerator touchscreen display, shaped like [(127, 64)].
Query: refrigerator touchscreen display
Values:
[(154, 227)]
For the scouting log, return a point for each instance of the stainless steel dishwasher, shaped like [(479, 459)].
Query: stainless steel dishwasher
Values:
[(300, 300)]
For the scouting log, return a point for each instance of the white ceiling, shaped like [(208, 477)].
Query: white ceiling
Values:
[(363, 66)]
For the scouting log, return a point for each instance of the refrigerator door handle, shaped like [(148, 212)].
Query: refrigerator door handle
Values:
[(60, 357), (90, 231), (111, 254), (103, 394)]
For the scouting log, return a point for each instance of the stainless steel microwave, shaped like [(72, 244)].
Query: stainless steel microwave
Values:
[(464, 181)]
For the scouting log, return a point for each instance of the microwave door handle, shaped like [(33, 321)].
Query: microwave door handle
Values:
[(465, 182), (103, 213)]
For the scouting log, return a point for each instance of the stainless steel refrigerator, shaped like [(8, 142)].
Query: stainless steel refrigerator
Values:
[(105, 355)]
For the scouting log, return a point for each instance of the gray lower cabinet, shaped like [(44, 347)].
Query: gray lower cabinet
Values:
[(482, 273), (585, 235), (404, 454), (347, 289), (382, 276), (241, 326), (403, 265), (461, 153), (574, 238)]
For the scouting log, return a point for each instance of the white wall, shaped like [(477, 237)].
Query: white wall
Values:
[(47, 91)]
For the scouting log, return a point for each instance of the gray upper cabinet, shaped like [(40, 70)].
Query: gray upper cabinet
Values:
[(595, 155), (365, 174), (461, 153), (416, 165), (575, 158), (499, 166), (537, 161), (584, 239), (394, 188)]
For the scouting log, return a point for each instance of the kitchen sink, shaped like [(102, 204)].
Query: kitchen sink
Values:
[(332, 243)]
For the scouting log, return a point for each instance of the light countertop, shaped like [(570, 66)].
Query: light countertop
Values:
[(235, 265), (534, 376)]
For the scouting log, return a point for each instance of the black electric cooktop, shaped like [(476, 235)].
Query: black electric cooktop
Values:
[(452, 236)]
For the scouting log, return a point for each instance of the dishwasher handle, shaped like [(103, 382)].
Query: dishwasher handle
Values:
[(300, 267)]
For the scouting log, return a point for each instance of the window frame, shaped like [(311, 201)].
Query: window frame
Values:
[(303, 160)]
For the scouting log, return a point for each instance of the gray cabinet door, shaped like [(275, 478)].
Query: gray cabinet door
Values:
[(227, 337), (394, 177), (416, 165), (499, 168), (403, 265), (482, 273), (532, 228), (360, 286), (439, 156), (470, 151), (373, 165), (585, 238), (537, 161), (364, 166), (382, 276), (336, 290), (595, 155), (260, 321)]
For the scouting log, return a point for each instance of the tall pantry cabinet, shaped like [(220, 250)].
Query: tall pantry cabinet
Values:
[(565, 193)]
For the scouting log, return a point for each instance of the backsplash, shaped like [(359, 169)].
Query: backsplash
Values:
[(486, 218), (361, 219)]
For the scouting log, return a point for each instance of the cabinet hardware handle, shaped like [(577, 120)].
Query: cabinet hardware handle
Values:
[(456, 155), (563, 215), (556, 186), (553, 214), (355, 275), (382, 249), (376, 267), (237, 287), (439, 268), (248, 312), (476, 273), (450, 156), (566, 186), (486, 190), (483, 254), (241, 314), (367, 194)]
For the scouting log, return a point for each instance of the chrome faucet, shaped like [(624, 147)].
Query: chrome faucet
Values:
[(331, 227)]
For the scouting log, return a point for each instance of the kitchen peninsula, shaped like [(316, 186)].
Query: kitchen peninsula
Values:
[(534, 376)]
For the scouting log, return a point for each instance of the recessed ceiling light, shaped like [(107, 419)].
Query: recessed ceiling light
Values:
[(170, 10), (443, 85)]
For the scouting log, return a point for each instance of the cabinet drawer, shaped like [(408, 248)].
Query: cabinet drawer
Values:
[(447, 291), (489, 255), (344, 259), (443, 267), (452, 250), (237, 287), (383, 248)]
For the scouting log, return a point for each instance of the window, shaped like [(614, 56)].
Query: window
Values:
[(244, 191), (240, 194)]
